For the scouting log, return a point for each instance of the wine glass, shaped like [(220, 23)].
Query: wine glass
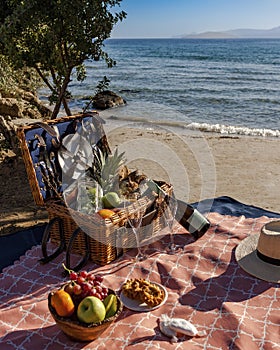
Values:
[(134, 220), (169, 216)]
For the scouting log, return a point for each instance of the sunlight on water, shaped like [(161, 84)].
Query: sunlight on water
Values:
[(225, 86)]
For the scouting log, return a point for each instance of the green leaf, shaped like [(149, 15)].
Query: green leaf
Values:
[(57, 38)]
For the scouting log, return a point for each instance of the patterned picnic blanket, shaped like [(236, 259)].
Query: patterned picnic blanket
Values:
[(205, 286)]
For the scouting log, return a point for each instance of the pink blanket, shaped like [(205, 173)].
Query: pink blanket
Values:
[(205, 286)]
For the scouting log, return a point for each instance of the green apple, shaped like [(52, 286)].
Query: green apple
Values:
[(111, 200), (91, 310)]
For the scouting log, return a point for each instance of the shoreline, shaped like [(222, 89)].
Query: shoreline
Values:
[(119, 115), (203, 165)]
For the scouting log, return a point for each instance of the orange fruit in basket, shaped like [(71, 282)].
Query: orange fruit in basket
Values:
[(62, 302), (105, 213)]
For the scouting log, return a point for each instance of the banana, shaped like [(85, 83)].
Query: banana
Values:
[(111, 305)]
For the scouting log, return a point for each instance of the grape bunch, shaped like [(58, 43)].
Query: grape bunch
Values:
[(83, 284)]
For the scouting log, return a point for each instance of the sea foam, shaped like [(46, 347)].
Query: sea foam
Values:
[(194, 126), (233, 130)]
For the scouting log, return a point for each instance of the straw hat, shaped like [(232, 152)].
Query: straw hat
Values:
[(259, 254)]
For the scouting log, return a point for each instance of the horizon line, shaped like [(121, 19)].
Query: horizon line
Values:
[(192, 38)]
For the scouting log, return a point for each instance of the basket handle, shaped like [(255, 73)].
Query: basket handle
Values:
[(69, 248), (47, 258)]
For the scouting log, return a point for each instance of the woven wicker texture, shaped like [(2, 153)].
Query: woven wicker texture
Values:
[(105, 244)]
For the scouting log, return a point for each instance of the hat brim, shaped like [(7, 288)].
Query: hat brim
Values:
[(246, 256)]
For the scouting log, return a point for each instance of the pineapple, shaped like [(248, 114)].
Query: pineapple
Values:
[(105, 169)]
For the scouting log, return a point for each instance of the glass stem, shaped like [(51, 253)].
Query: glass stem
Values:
[(140, 256), (172, 245)]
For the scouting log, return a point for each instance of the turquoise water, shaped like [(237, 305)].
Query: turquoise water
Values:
[(219, 85)]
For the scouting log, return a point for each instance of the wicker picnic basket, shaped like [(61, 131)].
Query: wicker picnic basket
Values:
[(68, 229)]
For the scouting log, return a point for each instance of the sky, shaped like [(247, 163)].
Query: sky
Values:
[(169, 18)]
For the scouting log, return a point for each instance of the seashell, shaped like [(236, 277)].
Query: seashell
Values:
[(185, 327), (171, 326), (164, 328)]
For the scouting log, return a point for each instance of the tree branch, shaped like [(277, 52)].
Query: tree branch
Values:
[(66, 107), (61, 97), (45, 80)]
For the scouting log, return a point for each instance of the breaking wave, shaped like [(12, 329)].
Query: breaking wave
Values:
[(233, 130)]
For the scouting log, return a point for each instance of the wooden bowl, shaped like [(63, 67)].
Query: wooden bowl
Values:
[(80, 331)]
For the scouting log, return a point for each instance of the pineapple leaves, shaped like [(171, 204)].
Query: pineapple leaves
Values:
[(105, 169)]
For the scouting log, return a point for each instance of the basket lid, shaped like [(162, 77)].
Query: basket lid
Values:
[(41, 143)]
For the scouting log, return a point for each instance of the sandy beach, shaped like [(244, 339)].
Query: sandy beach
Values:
[(206, 165), (199, 165)]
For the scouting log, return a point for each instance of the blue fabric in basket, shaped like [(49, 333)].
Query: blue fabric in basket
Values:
[(64, 128)]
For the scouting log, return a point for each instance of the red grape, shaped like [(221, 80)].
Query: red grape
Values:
[(69, 288), (77, 289), (98, 289), (83, 274), (73, 276), (99, 278), (90, 277), (80, 280), (86, 287), (86, 283), (98, 296)]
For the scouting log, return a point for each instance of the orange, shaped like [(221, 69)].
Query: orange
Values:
[(106, 213), (63, 303)]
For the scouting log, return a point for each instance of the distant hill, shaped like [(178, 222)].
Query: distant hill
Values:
[(235, 33)]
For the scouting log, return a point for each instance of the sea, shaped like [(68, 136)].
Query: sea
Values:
[(227, 86)]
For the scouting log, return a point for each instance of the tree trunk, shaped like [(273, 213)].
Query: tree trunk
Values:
[(61, 97), (56, 109), (66, 107)]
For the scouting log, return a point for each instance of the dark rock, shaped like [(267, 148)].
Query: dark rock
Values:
[(23, 104), (11, 107), (107, 99)]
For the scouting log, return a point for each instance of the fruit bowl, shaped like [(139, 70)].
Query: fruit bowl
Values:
[(80, 331)]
